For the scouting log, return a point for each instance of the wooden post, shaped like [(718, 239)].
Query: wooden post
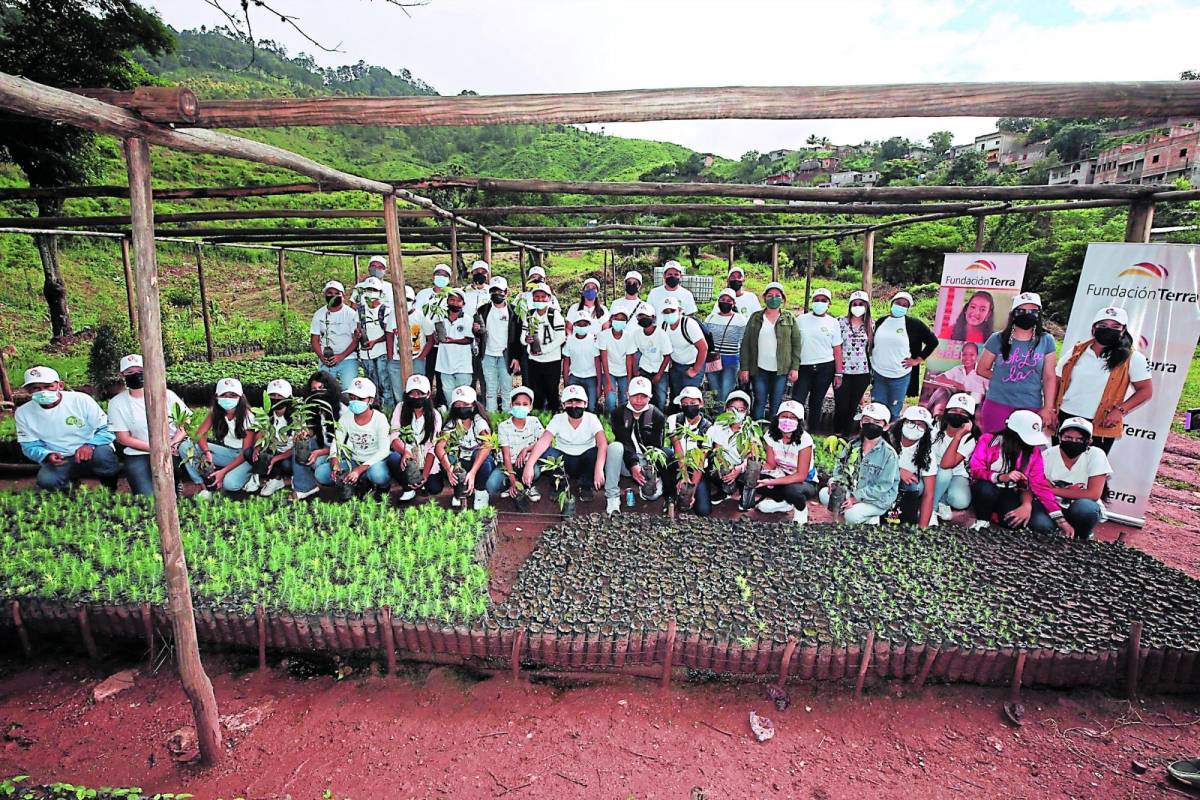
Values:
[(808, 270), (604, 279), (863, 662), (1133, 658), (774, 261), (1140, 221), (521, 267), (208, 341), (5, 385), (356, 269), (980, 232), (729, 256), (399, 302), (130, 303), (454, 248), (487, 248), (669, 657), (1014, 692), (196, 684), (868, 260), (282, 280)]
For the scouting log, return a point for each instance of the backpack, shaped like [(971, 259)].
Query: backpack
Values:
[(713, 355)]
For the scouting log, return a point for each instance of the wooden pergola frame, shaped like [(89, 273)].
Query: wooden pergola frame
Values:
[(146, 117)]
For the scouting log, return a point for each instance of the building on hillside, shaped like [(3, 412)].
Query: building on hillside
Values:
[(1162, 157), (958, 149), (708, 159), (1022, 157), (995, 145), (782, 179), (918, 152), (853, 178), (779, 155), (1076, 173)]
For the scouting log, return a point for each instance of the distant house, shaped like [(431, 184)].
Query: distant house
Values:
[(1076, 173), (853, 178), (917, 152), (779, 155), (782, 179), (1025, 156), (708, 159), (1162, 157)]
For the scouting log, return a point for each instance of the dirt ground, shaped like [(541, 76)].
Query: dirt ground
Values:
[(299, 731)]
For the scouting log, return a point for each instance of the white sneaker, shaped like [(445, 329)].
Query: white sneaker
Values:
[(533, 494), (272, 486), (481, 498), (455, 502), (800, 515), (204, 494), (945, 512), (769, 506), (980, 524), (304, 494), (251, 485), (613, 505), (408, 495)]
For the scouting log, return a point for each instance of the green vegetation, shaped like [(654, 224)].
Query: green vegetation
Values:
[(305, 558), (15, 788), (254, 374)]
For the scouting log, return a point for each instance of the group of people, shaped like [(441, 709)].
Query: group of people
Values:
[(485, 362)]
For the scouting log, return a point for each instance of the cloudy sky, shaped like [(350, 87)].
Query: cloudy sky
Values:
[(520, 46)]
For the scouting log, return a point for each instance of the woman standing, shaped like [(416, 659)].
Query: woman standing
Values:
[(422, 425), (616, 344), (899, 348), (1008, 476), (1019, 363), (727, 326), (229, 422), (543, 333), (770, 355), (857, 331), (589, 307), (786, 485)]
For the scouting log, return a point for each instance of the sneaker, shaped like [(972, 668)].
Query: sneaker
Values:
[(980, 524), (533, 494), (613, 505), (407, 495), (455, 502), (769, 506), (944, 511), (481, 498), (307, 493), (272, 486), (800, 515), (251, 485), (204, 494)]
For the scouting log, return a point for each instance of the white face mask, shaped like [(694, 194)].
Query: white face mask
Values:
[(913, 431), (858, 311)]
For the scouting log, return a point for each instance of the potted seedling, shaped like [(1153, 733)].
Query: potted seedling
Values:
[(690, 463), (557, 466), (653, 463), (270, 439), (304, 411), (452, 436), (412, 464), (522, 309), (436, 310), (181, 418), (826, 452)]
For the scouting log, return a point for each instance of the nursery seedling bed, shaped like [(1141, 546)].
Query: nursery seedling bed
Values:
[(195, 381)]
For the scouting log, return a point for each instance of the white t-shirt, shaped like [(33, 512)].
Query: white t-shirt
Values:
[(1088, 379), (684, 296), (280, 422), (1093, 462), (474, 299), (684, 340), (653, 348), (372, 329), (455, 357), (420, 328), (616, 350), (517, 439), (721, 436), (747, 303), (908, 461), (418, 428), (787, 456), (583, 353), (472, 435), (768, 347), (64, 428), (429, 297), (966, 448), (368, 444), (497, 330), (334, 328), (890, 348), (232, 440), (574, 314), (972, 383), (625, 305), (575, 441), (818, 337), (551, 330), (128, 413)]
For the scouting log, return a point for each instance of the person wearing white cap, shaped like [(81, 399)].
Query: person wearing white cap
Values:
[(788, 474), (866, 478), (476, 295), (1008, 478), (1104, 378), (271, 454), (650, 353), (726, 325), (1077, 471), (467, 467), (857, 329), (419, 330), (536, 275), (899, 348), (581, 359), (377, 339), (745, 302), (689, 346), (589, 307), (431, 301), (637, 427), (413, 463), (454, 357), (66, 432), (953, 443), (672, 280), (820, 356), (500, 345), (364, 441), (430, 305), (735, 469), (576, 435), (615, 341), (1019, 363), (377, 268), (687, 469), (127, 421), (912, 439), (770, 355), (543, 333), (517, 435), (334, 334), (632, 297), (224, 438), (323, 409)]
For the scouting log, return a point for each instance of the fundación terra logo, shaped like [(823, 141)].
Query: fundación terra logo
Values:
[(980, 272), (1145, 269), (981, 265), (1141, 281)]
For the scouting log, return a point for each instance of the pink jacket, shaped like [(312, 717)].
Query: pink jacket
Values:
[(987, 452)]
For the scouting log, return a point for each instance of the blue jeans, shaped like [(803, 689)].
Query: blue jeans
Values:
[(303, 475), (582, 469), (433, 485), (103, 464), (987, 499), (680, 379), (890, 392), (724, 381), (137, 472), (377, 473), (345, 371), (485, 469), (497, 382), (589, 386), (378, 371), (1084, 516), (453, 380), (768, 393), (953, 490), (497, 481), (620, 396), (222, 456)]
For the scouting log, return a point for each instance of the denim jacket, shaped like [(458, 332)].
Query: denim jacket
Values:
[(873, 478)]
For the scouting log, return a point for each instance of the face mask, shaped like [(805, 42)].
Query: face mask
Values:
[(462, 412), (357, 406), (479, 279), (1025, 320), (619, 325), (858, 311), (1073, 449), (725, 308), (774, 301), (498, 299), (581, 333), (819, 307), (957, 420), (631, 287), (376, 273), (646, 323), (372, 299), (788, 425), (135, 380), (414, 402), (735, 284), (46, 397), (441, 281), (671, 280), (691, 411), (575, 412), (1108, 337), (870, 430), (637, 410), (738, 414), (333, 300), (454, 309), (520, 412), (228, 403), (899, 311), (589, 294), (912, 430), (669, 317), (539, 305)]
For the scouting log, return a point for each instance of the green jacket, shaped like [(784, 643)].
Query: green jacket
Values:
[(787, 340)]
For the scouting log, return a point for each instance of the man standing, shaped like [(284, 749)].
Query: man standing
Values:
[(650, 353), (745, 302), (377, 333), (377, 268), (500, 329), (542, 335), (431, 304), (630, 302), (689, 349), (477, 294), (672, 278), (334, 335), (66, 432)]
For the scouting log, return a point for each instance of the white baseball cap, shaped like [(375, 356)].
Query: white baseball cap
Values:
[(229, 385), (380, 260), (633, 275), (409, 294), (859, 294), (463, 394), (727, 292), (280, 387), (498, 282), (1079, 423), (918, 414), (673, 265), (689, 393), (791, 407), (876, 411), (441, 268), (592, 281), (1027, 298), (537, 271), (371, 282), (645, 310), (130, 361), (574, 393), (1028, 426), (416, 383), (640, 385), (1114, 313), (670, 304), (775, 285), (361, 387), (40, 375), (738, 394), (540, 287), (962, 401), (521, 390), (737, 269), (822, 292), (481, 265), (457, 293), (903, 296), (335, 285)]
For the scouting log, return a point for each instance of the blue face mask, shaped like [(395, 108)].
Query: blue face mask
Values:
[(227, 403), (357, 406), (618, 325), (669, 317), (899, 311), (46, 397), (520, 412), (538, 305), (819, 307), (441, 281), (589, 294)]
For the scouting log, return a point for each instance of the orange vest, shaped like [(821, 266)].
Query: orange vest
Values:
[(1112, 396)]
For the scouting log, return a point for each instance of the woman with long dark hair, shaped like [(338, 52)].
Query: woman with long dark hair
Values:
[(589, 307), (954, 439), (1019, 364), (222, 439), (866, 479), (975, 321), (857, 330), (422, 425), (912, 439), (471, 425), (1008, 478), (325, 393), (786, 484), (279, 455)]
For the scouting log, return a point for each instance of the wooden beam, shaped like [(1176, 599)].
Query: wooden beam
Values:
[(808, 271), (208, 340), (637, 209), (729, 256), (521, 268), (487, 248), (196, 684), (453, 248), (173, 104), (1140, 221), (868, 260), (187, 193), (1025, 99), (399, 302), (130, 290)]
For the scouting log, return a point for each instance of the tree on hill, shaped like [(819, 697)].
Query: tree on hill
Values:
[(68, 43), (969, 169)]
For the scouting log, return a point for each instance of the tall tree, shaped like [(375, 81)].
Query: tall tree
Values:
[(69, 44)]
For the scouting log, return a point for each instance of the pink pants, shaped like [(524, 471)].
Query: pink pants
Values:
[(992, 415)]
